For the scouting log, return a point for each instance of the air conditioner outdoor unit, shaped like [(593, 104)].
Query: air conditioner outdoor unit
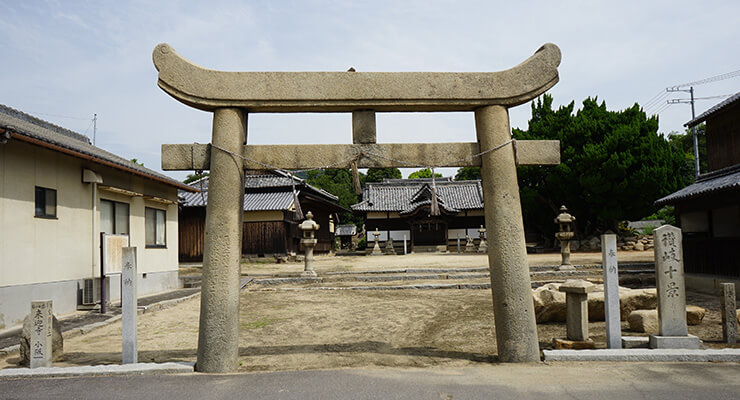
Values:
[(91, 292)]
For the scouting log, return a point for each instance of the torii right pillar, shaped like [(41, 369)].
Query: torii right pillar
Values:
[(513, 308)]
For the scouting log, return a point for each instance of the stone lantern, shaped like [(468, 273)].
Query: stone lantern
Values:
[(376, 248), (565, 235), (483, 246), (309, 228)]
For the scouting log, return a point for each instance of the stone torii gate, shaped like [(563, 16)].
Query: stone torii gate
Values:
[(232, 95)]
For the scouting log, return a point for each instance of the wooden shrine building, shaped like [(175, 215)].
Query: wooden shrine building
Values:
[(270, 220), (402, 208)]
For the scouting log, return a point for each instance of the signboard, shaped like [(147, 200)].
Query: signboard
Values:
[(112, 253)]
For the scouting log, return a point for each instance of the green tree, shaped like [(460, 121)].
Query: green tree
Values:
[(685, 142), (194, 177), (339, 183), (424, 173), (614, 165), (378, 174), (467, 174)]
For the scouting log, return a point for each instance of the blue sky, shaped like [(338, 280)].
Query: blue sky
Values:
[(76, 58)]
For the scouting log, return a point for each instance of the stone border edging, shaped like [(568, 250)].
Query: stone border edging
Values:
[(99, 370), (663, 355)]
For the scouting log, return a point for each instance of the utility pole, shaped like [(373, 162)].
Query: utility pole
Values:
[(95, 127), (693, 116)]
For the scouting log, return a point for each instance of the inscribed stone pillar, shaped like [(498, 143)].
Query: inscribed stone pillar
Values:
[(611, 291), (670, 282), (218, 339), (513, 309), (129, 349), (728, 309), (40, 351)]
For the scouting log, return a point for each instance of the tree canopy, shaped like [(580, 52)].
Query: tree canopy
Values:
[(614, 165), (685, 143), (378, 174), (424, 173), (467, 174), (339, 183)]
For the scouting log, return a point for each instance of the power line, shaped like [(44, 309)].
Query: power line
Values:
[(716, 78), (58, 115)]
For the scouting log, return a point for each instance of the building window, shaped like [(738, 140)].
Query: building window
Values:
[(46, 202), (114, 217), (155, 227)]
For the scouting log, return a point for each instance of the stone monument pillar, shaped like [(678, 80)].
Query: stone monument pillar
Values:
[(611, 291), (565, 235), (376, 248), (40, 350), (309, 227), (482, 246), (728, 309), (669, 279), (129, 305)]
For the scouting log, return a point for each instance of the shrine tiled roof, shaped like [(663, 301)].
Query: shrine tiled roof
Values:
[(404, 195), (265, 192), (715, 109), (37, 131), (719, 181)]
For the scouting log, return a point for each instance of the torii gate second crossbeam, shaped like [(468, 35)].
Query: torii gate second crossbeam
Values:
[(232, 95)]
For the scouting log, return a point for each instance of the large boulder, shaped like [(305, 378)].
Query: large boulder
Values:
[(647, 320), (644, 321), (549, 303), (694, 315), (57, 342)]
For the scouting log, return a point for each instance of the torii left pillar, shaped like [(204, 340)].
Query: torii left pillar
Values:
[(218, 342)]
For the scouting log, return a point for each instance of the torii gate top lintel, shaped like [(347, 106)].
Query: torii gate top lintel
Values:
[(208, 89)]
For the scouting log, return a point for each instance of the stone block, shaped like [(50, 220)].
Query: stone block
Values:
[(675, 342), (643, 321), (573, 344), (694, 315), (635, 342)]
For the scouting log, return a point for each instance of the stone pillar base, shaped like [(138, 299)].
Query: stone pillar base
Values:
[(308, 274), (566, 268), (573, 344), (675, 342)]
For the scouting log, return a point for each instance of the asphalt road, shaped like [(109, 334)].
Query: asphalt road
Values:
[(654, 381)]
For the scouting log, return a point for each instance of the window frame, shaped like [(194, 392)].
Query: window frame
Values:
[(115, 219), (164, 225), (38, 190)]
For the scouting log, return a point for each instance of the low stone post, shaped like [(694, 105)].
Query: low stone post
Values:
[(612, 315), (40, 350), (404, 245), (129, 303), (565, 235), (309, 227), (389, 249), (576, 318), (728, 309), (376, 248), (469, 244), (669, 280), (482, 246), (458, 243)]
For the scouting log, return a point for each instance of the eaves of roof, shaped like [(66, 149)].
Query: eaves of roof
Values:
[(714, 182), (717, 108)]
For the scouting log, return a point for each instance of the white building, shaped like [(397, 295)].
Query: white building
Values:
[(58, 192)]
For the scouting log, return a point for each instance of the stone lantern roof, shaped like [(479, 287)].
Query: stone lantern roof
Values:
[(309, 224), (564, 217)]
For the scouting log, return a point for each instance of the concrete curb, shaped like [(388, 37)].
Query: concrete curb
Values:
[(664, 355), (399, 287), (98, 370)]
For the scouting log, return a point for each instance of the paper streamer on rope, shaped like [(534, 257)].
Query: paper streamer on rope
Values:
[(356, 177), (435, 204), (296, 203)]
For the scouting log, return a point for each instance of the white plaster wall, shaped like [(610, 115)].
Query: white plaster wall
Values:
[(40, 257)]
